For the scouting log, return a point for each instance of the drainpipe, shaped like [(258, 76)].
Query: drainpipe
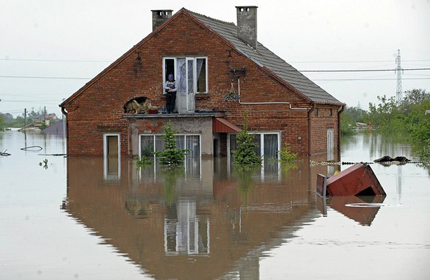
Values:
[(339, 111), (65, 130), (309, 127)]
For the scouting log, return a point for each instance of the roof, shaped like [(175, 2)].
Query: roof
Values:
[(267, 59), (263, 57), (223, 125)]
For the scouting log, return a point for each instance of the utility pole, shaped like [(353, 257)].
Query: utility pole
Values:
[(398, 71), (25, 117)]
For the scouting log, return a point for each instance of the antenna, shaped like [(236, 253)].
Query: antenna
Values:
[(399, 96)]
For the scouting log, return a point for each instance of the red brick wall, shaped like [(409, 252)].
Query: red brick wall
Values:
[(319, 126), (101, 105)]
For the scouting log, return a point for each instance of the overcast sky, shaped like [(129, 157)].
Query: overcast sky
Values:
[(51, 48)]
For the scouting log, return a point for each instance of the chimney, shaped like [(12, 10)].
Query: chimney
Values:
[(159, 17), (247, 24)]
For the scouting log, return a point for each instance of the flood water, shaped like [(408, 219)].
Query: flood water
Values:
[(85, 218)]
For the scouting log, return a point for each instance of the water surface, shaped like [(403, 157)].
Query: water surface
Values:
[(85, 218)]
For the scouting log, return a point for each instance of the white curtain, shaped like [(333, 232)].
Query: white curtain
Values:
[(190, 69), (180, 142), (181, 75), (193, 145), (270, 145)]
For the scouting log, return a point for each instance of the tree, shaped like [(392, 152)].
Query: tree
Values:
[(406, 118), (171, 154), (245, 153), (1, 122)]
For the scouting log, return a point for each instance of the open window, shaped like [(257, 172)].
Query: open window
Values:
[(191, 73)]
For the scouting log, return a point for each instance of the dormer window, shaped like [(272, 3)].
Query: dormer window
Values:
[(191, 73)]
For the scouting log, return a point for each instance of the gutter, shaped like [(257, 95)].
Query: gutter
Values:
[(265, 103), (310, 110)]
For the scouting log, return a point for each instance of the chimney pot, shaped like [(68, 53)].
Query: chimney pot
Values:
[(247, 24), (159, 17)]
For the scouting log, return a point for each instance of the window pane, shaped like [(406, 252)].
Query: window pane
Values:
[(203, 236), (181, 78), (201, 75), (169, 67), (159, 143), (256, 140), (190, 74), (270, 145), (193, 145), (112, 146), (147, 145), (233, 146), (180, 141)]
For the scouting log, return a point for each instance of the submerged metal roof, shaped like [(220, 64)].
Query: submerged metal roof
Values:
[(266, 58)]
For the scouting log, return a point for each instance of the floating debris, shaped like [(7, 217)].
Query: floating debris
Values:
[(315, 163), (44, 163), (358, 180), (4, 154), (32, 148)]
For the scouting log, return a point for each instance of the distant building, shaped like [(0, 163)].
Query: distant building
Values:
[(57, 128), (221, 71)]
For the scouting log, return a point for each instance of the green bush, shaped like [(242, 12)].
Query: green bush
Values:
[(285, 155), (143, 161), (245, 153), (171, 154)]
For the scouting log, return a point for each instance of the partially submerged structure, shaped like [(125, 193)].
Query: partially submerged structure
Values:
[(222, 71), (358, 180)]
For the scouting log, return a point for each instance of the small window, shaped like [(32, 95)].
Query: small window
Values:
[(201, 75), (330, 112), (169, 68), (112, 156), (316, 112)]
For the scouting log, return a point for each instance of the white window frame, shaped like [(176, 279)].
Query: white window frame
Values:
[(261, 133), (330, 144), (187, 58), (105, 155), (185, 141), (278, 133), (164, 69), (180, 134)]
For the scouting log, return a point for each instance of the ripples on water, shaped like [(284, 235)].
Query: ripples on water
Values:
[(85, 218)]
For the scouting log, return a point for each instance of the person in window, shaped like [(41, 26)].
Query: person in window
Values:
[(170, 92)]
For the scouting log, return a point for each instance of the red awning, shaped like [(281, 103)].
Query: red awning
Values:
[(221, 125)]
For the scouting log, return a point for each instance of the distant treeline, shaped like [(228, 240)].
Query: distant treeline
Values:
[(407, 117), (7, 119)]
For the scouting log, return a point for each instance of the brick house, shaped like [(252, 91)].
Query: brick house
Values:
[(222, 71)]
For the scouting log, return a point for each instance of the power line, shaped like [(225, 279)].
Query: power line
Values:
[(38, 77), (363, 70), (369, 79), (304, 61), (54, 60), (358, 61), (308, 71)]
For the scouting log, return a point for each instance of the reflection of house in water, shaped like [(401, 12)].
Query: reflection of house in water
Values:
[(185, 232), (362, 209), (192, 223)]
